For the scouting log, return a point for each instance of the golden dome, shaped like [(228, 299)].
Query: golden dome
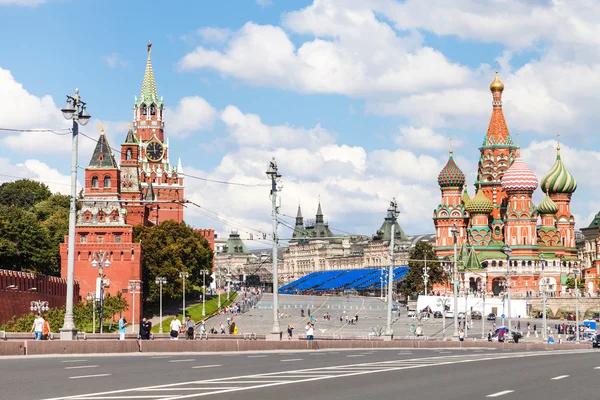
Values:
[(497, 86)]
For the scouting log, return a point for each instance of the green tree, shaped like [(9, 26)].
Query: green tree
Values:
[(23, 193), (570, 282), (414, 279), (24, 242), (170, 248)]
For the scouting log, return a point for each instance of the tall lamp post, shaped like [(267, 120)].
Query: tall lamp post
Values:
[(483, 288), (392, 214), (425, 275), (544, 323), (100, 261), (507, 250), (274, 175), (75, 110), (454, 232), (204, 272), (91, 296), (160, 281), (576, 275), (184, 275), (134, 287)]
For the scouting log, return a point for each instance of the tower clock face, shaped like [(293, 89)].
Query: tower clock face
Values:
[(155, 151)]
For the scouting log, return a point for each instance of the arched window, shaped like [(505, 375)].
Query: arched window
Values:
[(128, 154), (95, 182), (493, 263), (500, 263), (144, 109), (107, 181), (152, 110)]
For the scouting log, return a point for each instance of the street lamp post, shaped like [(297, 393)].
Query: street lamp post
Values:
[(39, 306), (133, 286), (183, 275), (483, 289), (442, 302), (576, 275), (160, 281), (454, 232), (392, 214), (274, 175), (544, 323), (75, 110), (425, 275), (91, 296), (100, 260), (507, 250), (203, 292)]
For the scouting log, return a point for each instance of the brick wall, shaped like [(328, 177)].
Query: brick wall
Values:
[(18, 289)]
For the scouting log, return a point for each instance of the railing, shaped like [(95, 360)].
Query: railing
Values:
[(249, 336), (3, 335), (81, 334)]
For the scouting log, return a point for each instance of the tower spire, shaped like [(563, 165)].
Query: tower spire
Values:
[(497, 133), (149, 93)]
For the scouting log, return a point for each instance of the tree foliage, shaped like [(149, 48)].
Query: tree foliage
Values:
[(32, 227), (170, 248), (570, 282), (414, 279), (23, 193)]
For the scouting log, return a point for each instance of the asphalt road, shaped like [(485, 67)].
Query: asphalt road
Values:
[(357, 374)]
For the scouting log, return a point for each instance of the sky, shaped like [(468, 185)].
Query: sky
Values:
[(356, 100)]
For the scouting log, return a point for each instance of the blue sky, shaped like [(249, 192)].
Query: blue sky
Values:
[(357, 100)]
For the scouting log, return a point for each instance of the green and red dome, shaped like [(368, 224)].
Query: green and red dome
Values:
[(451, 176)]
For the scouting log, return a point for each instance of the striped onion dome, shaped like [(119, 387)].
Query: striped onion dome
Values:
[(519, 177), (547, 206), (451, 175), (559, 180), (480, 204)]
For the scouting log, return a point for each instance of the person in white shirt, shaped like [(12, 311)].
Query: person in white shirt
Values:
[(309, 331), (37, 327), (175, 328)]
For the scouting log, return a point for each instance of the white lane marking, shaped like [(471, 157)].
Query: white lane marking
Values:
[(207, 366), (82, 366), (159, 357), (557, 378), (404, 354), (385, 368), (292, 359), (355, 355), (498, 394), (88, 376), (184, 360), (258, 356), (73, 361), (317, 354), (596, 367)]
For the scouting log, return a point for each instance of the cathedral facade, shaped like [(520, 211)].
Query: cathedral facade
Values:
[(502, 214), (143, 188)]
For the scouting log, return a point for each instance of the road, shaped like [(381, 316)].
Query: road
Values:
[(353, 374)]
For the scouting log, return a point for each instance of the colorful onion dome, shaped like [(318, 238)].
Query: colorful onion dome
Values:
[(480, 204), (547, 206), (451, 175), (496, 85), (519, 177), (559, 180), (465, 197)]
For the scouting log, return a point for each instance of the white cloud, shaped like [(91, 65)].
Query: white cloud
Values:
[(114, 61), (29, 3), (191, 115), (424, 138), (213, 34), (36, 170)]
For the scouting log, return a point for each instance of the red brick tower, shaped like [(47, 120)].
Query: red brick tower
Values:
[(161, 182), (497, 154), (131, 190), (102, 226)]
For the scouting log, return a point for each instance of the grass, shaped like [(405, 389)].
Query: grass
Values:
[(196, 311)]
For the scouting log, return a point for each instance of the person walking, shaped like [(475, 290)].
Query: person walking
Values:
[(45, 329), (145, 327), (189, 328), (309, 331), (37, 327), (290, 330), (122, 323), (174, 328)]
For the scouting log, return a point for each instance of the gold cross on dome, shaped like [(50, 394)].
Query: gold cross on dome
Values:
[(558, 140), (497, 65), (101, 129), (450, 145)]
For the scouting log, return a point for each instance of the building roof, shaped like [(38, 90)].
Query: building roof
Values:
[(547, 206), (559, 179), (480, 204), (497, 133), (235, 245), (519, 177), (149, 93), (451, 175), (102, 156), (131, 139)]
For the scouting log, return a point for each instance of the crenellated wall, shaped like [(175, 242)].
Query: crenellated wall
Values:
[(18, 289)]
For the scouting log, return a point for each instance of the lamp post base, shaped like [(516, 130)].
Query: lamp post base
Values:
[(388, 336), (68, 334), (275, 336)]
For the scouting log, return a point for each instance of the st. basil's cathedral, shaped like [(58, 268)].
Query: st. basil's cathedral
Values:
[(502, 213)]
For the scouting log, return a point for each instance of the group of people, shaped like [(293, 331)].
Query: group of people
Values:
[(40, 327)]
